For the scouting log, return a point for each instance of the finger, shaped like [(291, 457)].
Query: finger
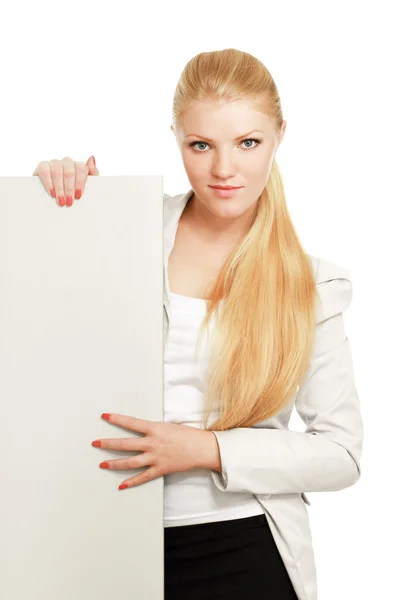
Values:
[(44, 174), (139, 444), (143, 477), (68, 166), (92, 168), (91, 163), (81, 174), (132, 462), (131, 423), (57, 175)]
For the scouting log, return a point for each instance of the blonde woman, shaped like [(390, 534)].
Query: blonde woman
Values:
[(235, 476)]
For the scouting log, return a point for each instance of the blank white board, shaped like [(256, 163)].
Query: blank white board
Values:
[(81, 333)]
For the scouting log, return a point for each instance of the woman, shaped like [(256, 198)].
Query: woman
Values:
[(235, 516)]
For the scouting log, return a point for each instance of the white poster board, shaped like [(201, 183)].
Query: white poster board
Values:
[(81, 333)]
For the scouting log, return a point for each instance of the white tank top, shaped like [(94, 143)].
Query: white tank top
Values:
[(192, 497)]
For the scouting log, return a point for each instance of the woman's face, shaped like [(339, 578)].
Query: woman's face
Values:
[(215, 141)]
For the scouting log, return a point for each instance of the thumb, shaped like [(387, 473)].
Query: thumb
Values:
[(93, 170)]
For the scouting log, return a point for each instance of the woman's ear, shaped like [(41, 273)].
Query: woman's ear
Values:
[(176, 137), (281, 133), (283, 129)]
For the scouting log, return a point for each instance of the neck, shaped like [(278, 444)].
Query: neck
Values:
[(211, 228)]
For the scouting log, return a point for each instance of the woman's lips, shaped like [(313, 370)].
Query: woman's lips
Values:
[(226, 192), (226, 187)]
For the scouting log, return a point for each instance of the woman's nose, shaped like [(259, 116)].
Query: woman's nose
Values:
[(224, 167)]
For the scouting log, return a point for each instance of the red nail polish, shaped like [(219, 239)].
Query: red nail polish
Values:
[(106, 416), (61, 200), (69, 200), (123, 486), (104, 465), (78, 194), (52, 192), (96, 444)]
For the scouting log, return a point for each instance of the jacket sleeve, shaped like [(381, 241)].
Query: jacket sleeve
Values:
[(326, 456)]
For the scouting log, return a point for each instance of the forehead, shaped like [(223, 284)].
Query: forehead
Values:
[(221, 106), (224, 117)]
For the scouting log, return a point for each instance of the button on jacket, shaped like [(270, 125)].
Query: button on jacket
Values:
[(279, 465)]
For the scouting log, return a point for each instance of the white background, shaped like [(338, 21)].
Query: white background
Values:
[(82, 78)]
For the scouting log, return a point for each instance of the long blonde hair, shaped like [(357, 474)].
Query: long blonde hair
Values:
[(265, 327)]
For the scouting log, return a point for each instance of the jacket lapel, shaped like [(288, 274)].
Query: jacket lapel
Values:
[(173, 207)]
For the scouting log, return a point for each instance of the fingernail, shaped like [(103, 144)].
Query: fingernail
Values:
[(52, 192), (123, 486), (106, 416), (94, 161), (96, 444), (61, 200), (104, 465), (78, 194), (69, 200)]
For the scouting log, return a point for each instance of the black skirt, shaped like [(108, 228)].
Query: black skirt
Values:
[(232, 560)]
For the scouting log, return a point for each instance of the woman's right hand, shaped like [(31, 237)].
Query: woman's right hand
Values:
[(65, 179)]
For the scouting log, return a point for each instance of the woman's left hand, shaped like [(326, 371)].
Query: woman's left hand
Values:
[(165, 448)]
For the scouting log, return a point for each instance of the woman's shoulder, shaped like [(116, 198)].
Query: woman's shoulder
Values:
[(325, 270), (334, 287)]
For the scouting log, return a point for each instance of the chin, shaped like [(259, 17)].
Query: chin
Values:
[(228, 209)]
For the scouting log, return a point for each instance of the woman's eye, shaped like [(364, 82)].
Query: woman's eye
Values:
[(251, 140), (195, 144), (242, 142)]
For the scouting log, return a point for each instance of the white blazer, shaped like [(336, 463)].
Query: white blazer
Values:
[(276, 464)]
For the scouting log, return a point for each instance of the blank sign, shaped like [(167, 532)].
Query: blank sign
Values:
[(81, 333)]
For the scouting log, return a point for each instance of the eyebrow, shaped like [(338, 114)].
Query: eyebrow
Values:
[(236, 139)]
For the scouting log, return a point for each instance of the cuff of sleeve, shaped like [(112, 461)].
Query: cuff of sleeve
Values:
[(220, 479)]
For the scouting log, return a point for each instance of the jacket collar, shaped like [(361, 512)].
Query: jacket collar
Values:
[(173, 208)]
